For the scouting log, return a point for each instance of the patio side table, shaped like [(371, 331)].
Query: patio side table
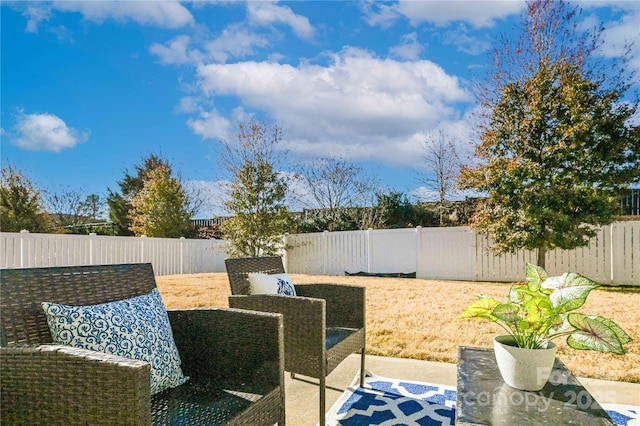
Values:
[(484, 399)]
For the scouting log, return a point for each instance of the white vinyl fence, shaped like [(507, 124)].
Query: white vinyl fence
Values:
[(453, 253), (168, 255), (459, 253)]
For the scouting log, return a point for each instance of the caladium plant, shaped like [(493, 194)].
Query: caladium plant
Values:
[(540, 311)]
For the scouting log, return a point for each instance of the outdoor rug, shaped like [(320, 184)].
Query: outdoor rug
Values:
[(393, 402), (627, 415), (388, 402)]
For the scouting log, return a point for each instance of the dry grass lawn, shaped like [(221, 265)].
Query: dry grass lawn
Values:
[(416, 318)]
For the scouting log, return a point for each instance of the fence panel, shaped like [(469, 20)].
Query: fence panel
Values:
[(346, 252), (626, 245), (507, 267), (306, 253), (199, 256), (10, 250), (169, 256), (593, 261), (113, 250), (393, 250), (459, 253), (447, 253)]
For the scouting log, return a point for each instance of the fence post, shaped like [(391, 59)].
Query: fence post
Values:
[(418, 251), (285, 256), (92, 251), (181, 254), (613, 252), (325, 251), (369, 250), (24, 247), (142, 239)]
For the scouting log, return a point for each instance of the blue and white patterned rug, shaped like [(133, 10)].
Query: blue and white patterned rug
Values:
[(387, 402), (394, 402), (626, 415)]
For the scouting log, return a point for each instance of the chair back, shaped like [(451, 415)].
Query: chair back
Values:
[(239, 268), (22, 320)]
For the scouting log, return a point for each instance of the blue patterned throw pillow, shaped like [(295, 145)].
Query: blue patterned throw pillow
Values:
[(271, 284), (136, 328)]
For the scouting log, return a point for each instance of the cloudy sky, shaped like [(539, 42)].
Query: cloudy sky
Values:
[(89, 88)]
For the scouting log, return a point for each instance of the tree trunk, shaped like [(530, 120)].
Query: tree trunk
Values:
[(542, 251)]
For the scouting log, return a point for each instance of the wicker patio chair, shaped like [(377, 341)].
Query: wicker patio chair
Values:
[(323, 323), (234, 358)]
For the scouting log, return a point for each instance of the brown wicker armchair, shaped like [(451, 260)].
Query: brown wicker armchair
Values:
[(323, 324), (234, 358)]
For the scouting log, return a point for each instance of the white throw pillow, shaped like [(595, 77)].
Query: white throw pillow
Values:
[(136, 328), (271, 284)]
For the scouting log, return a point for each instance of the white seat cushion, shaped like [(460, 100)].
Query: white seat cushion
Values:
[(271, 284)]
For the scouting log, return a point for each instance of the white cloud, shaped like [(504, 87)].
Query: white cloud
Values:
[(266, 13), (466, 43), (165, 14), (234, 41), (188, 105), (211, 125), (379, 14), (176, 51), (619, 34), (410, 48), (46, 132), (358, 106), (479, 14), (36, 14)]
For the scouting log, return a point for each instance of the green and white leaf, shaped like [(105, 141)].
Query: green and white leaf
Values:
[(570, 290), (535, 276), (507, 312), (481, 309), (620, 333), (592, 333), (514, 295)]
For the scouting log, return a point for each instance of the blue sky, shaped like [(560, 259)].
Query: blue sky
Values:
[(89, 88)]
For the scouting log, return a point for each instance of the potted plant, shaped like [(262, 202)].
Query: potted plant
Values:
[(537, 313)]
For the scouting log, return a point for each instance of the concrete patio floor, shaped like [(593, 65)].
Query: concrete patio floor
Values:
[(302, 392)]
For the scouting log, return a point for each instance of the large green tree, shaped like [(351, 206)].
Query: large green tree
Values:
[(120, 202), (557, 143), (260, 216), (162, 207), (21, 205)]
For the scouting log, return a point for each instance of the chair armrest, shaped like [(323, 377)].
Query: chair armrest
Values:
[(231, 347), (304, 324), (61, 385), (345, 303)]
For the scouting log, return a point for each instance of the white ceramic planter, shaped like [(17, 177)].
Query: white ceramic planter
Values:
[(524, 369)]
